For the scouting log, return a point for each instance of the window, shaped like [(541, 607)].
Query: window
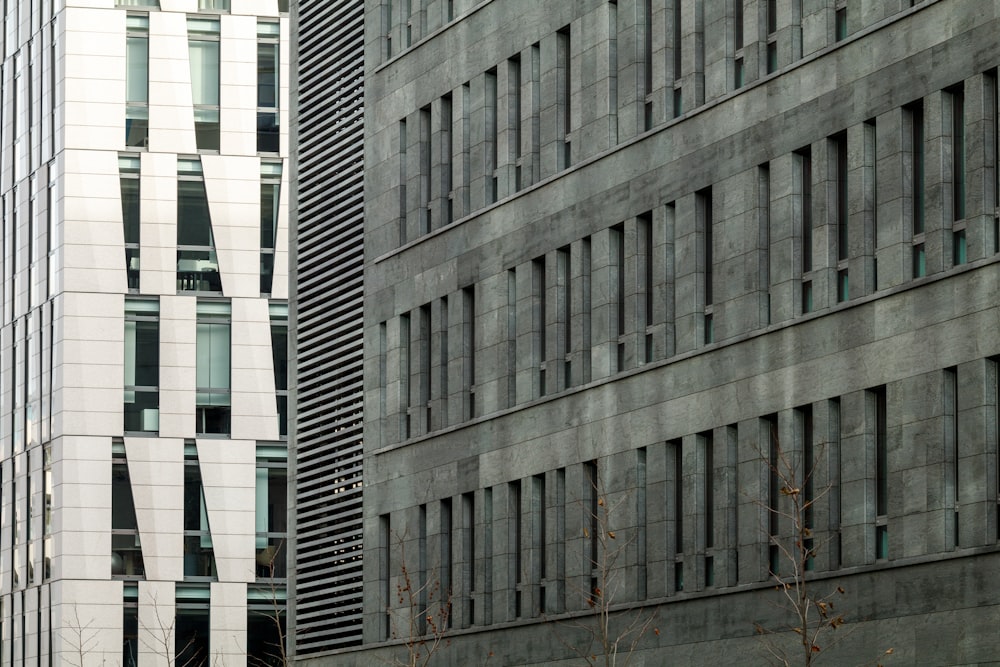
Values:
[(271, 512), (268, 33), (126, 552), (197, 265), (279, 354), (138, 3), (130, 626), (840, 24), (136, 80), (213, 362), (47, 513), (192, 635), (265, 624), (215, 5), (881, 436), (199, 557), (270, 191), (128, 167), (142, 366), (203, 48)]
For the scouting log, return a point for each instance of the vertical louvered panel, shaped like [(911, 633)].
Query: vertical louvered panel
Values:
[(327, 311)]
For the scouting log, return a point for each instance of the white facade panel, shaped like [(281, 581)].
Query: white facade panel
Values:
[(228, 476), (156, 469), (177, 367)]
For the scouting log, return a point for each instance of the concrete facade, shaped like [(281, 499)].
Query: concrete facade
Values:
[(629, 251), (144, 192)]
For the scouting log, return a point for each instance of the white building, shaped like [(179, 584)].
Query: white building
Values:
[(144, 331)]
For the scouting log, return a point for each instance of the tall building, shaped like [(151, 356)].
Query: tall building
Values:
[(633, 255), (144, 394)]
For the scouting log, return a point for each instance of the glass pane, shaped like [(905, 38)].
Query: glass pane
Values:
[(220, 5), (126, 556), (191, 644), (130, 637), (279, 355), (142, 412), (269, 199), (267, 75), (283, 416), (212, 360), (267, 132), (132, 267), (122, 507), (271, 557), (265, 628), (212, 419), (147, 353), (198, 270), (130, 209), (266, 272), (194, 223), (136, 126), (137, 70), (204, 72), (206, 133)]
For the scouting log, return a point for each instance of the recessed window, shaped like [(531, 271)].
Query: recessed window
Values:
[(126, 551), (279, 359), (270, 191), (128, 168), (267, 87), (137, 81), (142, 366), (197, 264), (212, 395), (203, 52), (919, 261), (199, 556), (271, 517)]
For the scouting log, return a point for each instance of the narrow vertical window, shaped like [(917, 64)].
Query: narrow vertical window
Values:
[(708, 443), (469, 554), (772, 36), (424, 366), (126, 550), (130, 626), (492, 132), (564, 313), (279, 361), (675, 449), (447, 159), (958, 173), (469, 340), (840, 24), (647, 63), (426, 221), (270, 190), (402, 182), (914, 114), (769, 430), (641, 534), (645, 226), (764, 240), (203, 50), (539, 309), (810, 464), (142, 366), (705, 221), (514, 117), (128, 171), (199, 555), (447, 556), (878, 400), (677, 48), (271, 513), (442, 360), (511, 338), (539, 534), (952, 453), (466, 150), (592, 519), (212, 393), (564, 92), (268, 33), (516, 534), (404, 375), (136, 81), (618, 292), (839, 148), (197, 265)]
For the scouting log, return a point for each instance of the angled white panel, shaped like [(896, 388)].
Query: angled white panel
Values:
[(238, 86), (93, 249), (279, 289), (229, 623), (171, 110), (179, 5), (156, 470), (94, 43), (156, 623), (228, 477), (177, 366), (255, 412), (90, 357), (81, 527), (158, 225), (232, 185), (88, 613), (258, 7), (285, 55)]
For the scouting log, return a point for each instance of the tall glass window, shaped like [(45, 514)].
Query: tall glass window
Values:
[(270, 190), (192, 645), (197, 265), (130, 626), (279, 353), (199, 556), (267, 86), (203, 48), (271, 512), (136, 80), (128, 167), (142, 366), (212, 397), (126, 551)]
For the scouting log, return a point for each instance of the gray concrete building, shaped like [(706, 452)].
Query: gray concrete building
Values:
[(624, 259)]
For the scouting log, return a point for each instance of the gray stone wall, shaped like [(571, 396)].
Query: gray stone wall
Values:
[(659, 308)]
